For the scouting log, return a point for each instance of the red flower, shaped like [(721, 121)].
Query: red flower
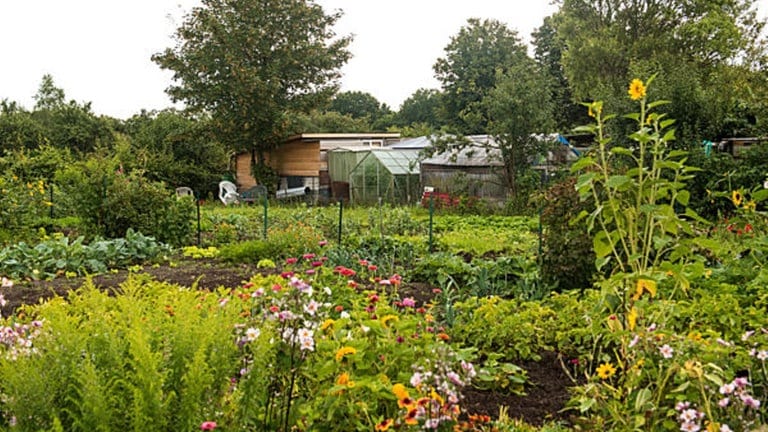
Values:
[(208, 425)]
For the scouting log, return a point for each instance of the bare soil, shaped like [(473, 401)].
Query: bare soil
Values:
[(546, 392)]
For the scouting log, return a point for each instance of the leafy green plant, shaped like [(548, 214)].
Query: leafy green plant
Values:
[(59, 255), (109, 202), (567, 259), (514, 329), (153, 357)]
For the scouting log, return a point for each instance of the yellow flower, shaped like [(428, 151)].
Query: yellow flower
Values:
[(632, 318), (644, 285), (606, 370), (399, 391), (636, 89), (736, 198), (750, 205), (343, 351), (344, 380), (384, 425), (327, 323), (594, 109), (387, 318)]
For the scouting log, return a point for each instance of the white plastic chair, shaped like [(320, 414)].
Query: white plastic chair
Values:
[(184, 191), (228, 192)]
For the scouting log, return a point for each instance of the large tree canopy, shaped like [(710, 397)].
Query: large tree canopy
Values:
[(469, 70), (707, 54), (250, 64)]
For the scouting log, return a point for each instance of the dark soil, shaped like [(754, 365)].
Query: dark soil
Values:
[(545, 395)]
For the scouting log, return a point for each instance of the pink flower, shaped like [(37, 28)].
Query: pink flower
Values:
[(409, 302), (322, 243), (291, 261), (208, 425), (666, 351)]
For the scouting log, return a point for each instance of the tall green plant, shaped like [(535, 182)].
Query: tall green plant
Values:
[(640, 218)]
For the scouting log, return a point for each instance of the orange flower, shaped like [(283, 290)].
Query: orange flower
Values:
[(384, 425)]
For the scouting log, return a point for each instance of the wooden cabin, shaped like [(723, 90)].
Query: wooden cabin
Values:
[(302, 162)]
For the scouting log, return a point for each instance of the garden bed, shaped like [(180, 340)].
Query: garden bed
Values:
[(546, 390)]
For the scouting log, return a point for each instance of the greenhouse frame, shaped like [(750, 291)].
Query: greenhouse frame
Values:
[(390, 176)]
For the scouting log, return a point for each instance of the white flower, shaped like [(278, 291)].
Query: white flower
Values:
[(690, 427), (252, 334), (307, 344), (311, 307), (306, 333), (725, 428), (666, 351), (762, 355), (344, 315), (327, 291), (634, 341), (689, 415), (727, 389), (416, 379)]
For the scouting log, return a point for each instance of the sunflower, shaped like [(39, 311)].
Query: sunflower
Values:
[(606, 370), (750, 205), (737, 198), (343, 351), (636, 89)]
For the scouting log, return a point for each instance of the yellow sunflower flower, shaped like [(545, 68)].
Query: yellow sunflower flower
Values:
[(606, 370), (344, 351), (737, 198), (636, 89), (750, 205)]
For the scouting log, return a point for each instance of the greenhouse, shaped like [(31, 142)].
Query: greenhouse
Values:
[(389, 175)]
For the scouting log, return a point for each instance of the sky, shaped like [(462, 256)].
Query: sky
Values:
[(99, 51)]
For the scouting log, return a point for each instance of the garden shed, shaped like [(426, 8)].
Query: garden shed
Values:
[(389, 175), (473, 171)]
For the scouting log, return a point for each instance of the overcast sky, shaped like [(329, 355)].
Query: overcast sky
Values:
[(99, 51)]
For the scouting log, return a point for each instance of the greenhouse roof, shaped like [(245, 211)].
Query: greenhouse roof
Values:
[(398, 162)]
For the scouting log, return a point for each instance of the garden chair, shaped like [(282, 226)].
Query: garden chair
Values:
[(228, 192), (184, 191)]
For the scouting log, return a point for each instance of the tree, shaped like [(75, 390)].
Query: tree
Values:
[(176, 149), (469, 70), (48, 96), (358, 104), (548, 53), (249, 64), (422, 107), (520, 112), (702, 50)]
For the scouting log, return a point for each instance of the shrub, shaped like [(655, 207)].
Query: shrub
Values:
[(110, 202), (567, 259)]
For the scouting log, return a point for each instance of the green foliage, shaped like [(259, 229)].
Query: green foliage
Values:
[(567, 259), (173, 148), (249, 98), (474, 57), (357, 105), (153, 357), (636, 193), (59, 255), (22, 204), (514, 329), (421, 108), (109, 202)]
